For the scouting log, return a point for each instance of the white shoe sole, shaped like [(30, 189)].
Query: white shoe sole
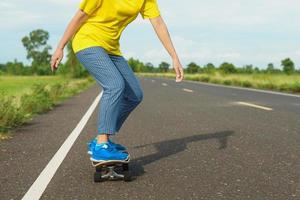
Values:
[(104, 161)]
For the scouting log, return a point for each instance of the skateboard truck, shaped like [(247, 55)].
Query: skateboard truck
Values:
[(107, 172), (111, 174)]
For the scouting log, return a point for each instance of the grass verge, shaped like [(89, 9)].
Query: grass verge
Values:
[(19, 106)]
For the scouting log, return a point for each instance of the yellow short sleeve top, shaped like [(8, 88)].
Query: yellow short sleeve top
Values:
[(107, 19)]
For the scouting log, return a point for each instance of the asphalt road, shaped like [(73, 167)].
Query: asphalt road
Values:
[(187, 141)]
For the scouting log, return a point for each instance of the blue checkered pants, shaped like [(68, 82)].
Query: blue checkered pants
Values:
[(122, 91)]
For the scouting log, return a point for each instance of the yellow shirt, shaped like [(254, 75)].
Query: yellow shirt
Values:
[(107, 19)]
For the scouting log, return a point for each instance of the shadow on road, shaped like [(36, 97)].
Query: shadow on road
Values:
[(174, 146)]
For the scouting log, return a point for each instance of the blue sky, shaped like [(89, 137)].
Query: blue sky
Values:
[(241, 32)]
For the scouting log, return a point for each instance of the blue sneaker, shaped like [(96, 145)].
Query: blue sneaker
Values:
[(117, 146), (91, 144), (105, 152)]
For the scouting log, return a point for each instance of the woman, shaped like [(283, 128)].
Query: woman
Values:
[(95, 31)]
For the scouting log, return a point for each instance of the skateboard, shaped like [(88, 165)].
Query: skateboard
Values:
[(107, 170)]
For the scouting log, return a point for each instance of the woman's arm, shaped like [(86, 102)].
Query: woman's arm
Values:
[(72, 27), (164, 36)]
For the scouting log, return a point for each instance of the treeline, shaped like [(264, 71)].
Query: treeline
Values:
[(287, 67), (38, 54)]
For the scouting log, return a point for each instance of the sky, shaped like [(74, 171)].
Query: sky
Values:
[(241, 32)]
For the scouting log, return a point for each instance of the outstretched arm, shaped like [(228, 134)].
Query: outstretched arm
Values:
[(72, 27), (163, 34)]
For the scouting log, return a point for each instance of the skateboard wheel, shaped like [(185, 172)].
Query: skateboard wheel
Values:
[(125, 167), (127, 176), (98, 169), (97, 177)]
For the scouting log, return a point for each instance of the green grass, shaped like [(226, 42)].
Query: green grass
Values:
[(16, 85), (278, 82), (23, 97)]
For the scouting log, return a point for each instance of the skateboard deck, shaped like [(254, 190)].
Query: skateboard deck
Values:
[(107, 170)]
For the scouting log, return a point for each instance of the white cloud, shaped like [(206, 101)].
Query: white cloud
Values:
[(18, 18)]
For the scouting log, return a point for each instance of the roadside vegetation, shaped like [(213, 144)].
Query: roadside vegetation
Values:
[(28, 90), (278, 82), (285, 78), (22, 105)]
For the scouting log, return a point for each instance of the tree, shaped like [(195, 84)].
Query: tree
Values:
[(14, 68), (163, 66), (149, 64), (149, 67), (135, 64), (227, 68), (256, 70), (248, 69), (209, 68), (38, 50), (3, 67), (270, 68), (288, 66), (192, 68)]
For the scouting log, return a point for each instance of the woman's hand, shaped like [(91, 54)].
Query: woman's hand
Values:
[(56, 58), (178, 70)]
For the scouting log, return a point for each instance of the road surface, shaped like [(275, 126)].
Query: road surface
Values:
[(187, 140)]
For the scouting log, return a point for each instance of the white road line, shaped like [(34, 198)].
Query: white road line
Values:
[(38, 187), (164, 84), (242, 88), (187, 90), (153, 80), (254, 105)]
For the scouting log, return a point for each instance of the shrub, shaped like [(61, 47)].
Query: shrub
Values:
[(38, 100), (216, 80), (227, 68), (10, 114), (246, 84), (295, 87), (268, 85), (236, 82), (284, 87), (57, 90), (204, 78), (227, 82), (194, 78)]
